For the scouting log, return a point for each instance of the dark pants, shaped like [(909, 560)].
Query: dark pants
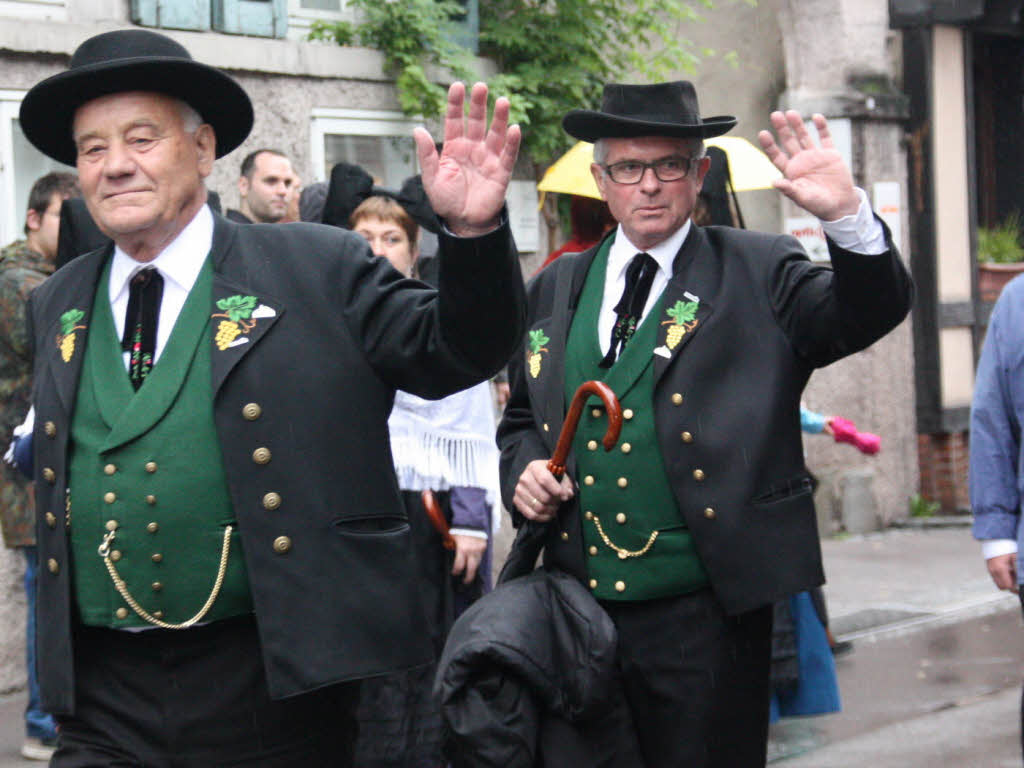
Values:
[(697, 681), (195, 698)]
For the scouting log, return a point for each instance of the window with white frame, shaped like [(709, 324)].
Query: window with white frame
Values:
[(379, 141), (20, 165)]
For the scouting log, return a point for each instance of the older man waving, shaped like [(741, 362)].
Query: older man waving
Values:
[(224, 549)]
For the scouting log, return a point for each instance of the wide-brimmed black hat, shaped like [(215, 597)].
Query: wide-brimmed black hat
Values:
[(663, 109), (132, 60)]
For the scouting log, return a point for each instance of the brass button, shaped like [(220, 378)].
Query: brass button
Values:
[(121, 613), (677, 399), (593, 583), (251, 411), (151, 499), (698, 475), (157, 557), (110, 497), (157, 586), (592, 445), (596, 413), (109, 469), (589, 515), (111, 525), (153, 527), (272, 500), (588, 480), (626, 447), (115, 555), (546, 427), (620, 586), (565, 536), (592, 550), (282, 544), (687, 437), (261, 455), (49, 475), (151, 467), (51, 520), (50, 429), (627, 414), (709, 513), (622, 482), (620, 518), (52, 565)]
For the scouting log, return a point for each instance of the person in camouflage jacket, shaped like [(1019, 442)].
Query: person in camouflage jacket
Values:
[(25, 264)]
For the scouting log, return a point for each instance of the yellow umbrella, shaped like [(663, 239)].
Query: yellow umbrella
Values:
[(749, 166)]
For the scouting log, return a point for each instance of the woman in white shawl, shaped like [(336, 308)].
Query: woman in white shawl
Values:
[(446, 446)]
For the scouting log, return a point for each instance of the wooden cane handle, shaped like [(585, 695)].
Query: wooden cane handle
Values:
[(556, 465)]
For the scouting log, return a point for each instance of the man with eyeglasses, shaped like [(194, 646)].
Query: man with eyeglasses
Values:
[(702, 515)]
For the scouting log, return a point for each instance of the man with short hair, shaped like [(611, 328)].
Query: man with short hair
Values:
[(24, 265), (226, 552), (702, 516), (265, 186)]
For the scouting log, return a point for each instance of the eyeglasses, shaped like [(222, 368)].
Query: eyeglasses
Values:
[(666, 169)]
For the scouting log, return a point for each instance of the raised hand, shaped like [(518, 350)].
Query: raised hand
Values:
[(466, 184), (815, 178)]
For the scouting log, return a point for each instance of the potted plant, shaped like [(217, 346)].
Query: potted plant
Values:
[(1000, 256)]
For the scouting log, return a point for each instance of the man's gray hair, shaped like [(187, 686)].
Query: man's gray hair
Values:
[(694, 146), (190, 119)]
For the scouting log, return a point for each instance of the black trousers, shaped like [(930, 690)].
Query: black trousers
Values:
[(195, 698), (697, 681)]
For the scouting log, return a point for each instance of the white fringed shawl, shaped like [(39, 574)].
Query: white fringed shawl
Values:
[(438, 444)]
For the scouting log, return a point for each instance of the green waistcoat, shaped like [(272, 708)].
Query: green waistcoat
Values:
[(625, 493), (148, 466)]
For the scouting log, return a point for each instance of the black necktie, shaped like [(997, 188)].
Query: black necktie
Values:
[(639, 277), (140, 321)]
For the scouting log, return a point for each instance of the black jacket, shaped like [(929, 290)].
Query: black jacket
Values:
[(528, 678), (314, 386)]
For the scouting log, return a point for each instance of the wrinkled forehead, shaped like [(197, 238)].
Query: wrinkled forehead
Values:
[(115, 111), (643, 147)]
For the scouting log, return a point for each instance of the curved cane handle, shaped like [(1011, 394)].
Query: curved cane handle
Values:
[(436, 517), (556, 465)]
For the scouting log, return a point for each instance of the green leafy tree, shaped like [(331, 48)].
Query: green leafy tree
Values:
[(552, 55)]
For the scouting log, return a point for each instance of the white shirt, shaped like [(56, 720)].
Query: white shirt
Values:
[(860, 233), (179, 265)]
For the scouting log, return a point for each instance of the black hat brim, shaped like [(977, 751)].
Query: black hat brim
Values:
[(48, 109), (590, 125)]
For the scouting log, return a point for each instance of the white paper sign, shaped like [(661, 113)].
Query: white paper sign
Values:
[(523, 217), (889, 207), (807, 230)]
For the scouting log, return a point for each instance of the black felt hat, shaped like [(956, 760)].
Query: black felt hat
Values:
[(663, 109), (132, 60)]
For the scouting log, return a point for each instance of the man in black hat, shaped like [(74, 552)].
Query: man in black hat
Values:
[(224, 550), (701, 517)]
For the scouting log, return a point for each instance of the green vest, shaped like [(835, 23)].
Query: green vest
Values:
[(148, 466), (637, 545)]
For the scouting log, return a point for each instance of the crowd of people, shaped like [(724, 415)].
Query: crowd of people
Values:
[(265, 473)]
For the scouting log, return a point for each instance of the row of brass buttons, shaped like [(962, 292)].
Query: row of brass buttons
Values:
[(262, 455)]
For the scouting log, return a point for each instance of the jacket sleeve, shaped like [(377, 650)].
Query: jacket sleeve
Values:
[(995, 448), (830, 313)]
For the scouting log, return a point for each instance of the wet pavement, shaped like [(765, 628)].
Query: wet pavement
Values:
[(933, 678)]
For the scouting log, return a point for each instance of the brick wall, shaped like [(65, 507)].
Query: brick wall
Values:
[(943, 459)]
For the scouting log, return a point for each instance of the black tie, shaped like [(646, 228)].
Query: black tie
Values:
[(639, 277), (140, 321)]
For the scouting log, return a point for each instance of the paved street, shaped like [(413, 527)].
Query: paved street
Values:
[(935, 672)]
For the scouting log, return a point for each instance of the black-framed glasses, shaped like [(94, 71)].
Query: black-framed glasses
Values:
[(671, 168)]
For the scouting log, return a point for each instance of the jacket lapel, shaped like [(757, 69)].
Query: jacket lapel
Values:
[(240, 315), (67, 332), (546, 388), (685, 307)]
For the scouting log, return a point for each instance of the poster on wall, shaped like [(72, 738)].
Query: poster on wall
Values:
[(807, 230)]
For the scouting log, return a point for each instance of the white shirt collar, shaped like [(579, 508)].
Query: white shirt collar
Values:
[(180, 262), (622, 251)]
